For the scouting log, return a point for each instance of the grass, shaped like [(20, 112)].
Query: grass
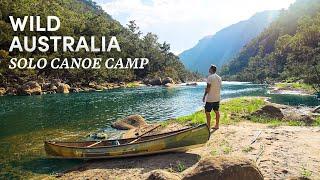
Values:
[(180, 166), (295, 85), (239, 109), (305, 172), (132, 84), (247, 149), (231, 111)]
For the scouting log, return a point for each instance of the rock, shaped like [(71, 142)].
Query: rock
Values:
[(316, 109), (53, 87), (2, 91), (63, 88), (192, 84), (298, 178), (30, 88), (169, 85), (167, 80), (92, 84), (155, 81), (223, 167), (11, 91), (270, 111), (162, 175), (75, 90), (130, 122), (100, 88)]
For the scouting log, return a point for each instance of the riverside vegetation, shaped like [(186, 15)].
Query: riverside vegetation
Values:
[(287, 50), (83, 18)]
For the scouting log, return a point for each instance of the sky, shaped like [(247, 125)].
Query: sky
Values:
[(182, 23)]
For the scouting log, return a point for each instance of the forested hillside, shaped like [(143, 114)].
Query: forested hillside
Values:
[(226, 43), (84, 18), (289, 49)]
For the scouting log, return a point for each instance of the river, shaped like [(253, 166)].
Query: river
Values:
[(28, 120)]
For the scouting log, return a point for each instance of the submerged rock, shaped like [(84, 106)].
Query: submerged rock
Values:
[(192, 84), (130, 122), (162, 175), (270, 111), (223, 167)]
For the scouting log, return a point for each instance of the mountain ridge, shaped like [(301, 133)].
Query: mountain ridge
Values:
[(224, 44)]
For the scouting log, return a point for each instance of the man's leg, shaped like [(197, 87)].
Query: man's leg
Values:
[(217, 119), (208, 119)]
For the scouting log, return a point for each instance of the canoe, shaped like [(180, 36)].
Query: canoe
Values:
[(175, 141)]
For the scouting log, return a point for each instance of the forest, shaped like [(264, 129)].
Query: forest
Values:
[(288, 50), (83, 18)]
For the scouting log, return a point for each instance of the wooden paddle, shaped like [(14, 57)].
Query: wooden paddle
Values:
[(98, 142), (139, 137)]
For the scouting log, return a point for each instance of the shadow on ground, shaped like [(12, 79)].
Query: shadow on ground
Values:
[(175, 161)]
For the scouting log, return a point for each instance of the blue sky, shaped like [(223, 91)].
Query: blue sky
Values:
[(182, 23)]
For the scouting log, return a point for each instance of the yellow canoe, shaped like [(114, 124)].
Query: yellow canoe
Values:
[(180, 140)]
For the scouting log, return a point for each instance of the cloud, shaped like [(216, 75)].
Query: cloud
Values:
[(183, 22)]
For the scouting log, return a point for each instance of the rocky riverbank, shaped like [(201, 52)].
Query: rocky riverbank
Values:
[(38, 87)]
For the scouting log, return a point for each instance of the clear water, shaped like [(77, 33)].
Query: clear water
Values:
[(28, 120)]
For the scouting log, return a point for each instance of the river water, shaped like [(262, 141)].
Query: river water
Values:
[(28, 120)]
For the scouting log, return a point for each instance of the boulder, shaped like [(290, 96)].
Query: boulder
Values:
[(63, 88), (130, 122), (30, 88), (92, 84), (2, 91), (11, 91), (155, 81), (162, 175), (75, 90), (167, 80), (223, 167), (270, 111), (53, 87), (100, 88)]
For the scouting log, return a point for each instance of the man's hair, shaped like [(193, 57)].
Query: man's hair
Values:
[(213, 68)]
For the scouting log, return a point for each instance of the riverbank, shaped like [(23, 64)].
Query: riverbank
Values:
[(292, 88), (281, 148), (39, 87)]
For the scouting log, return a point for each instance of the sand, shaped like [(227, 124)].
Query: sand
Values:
[(279, 152)]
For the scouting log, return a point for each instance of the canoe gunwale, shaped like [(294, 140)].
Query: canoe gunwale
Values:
[(179, 149), (168, 134)]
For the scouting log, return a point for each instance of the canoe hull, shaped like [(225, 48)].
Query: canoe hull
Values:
[(176, 142)]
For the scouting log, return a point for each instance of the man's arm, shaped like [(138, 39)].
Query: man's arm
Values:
[(206, 91)]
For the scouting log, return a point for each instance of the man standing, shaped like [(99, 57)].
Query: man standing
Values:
[(212, 95)]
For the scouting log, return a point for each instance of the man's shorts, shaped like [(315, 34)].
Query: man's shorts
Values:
[(212, 106)]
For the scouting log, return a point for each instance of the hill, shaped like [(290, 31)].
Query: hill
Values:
[(83, 18), (219, 48), (287, 50)]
